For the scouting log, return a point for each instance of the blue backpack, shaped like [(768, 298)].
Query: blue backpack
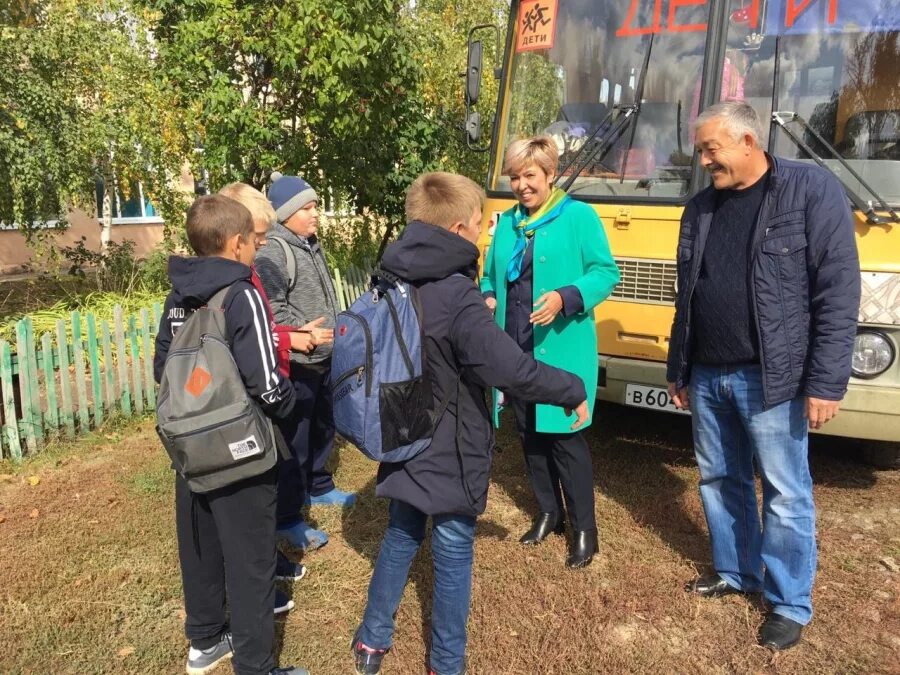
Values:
[(383, 401)]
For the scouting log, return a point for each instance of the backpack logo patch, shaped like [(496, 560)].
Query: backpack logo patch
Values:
[(245, 448), (197, 383)]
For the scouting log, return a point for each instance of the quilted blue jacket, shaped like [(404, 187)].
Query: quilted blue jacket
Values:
[(804, 281)]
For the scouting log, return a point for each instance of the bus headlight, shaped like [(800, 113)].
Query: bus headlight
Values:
[(873, 354)]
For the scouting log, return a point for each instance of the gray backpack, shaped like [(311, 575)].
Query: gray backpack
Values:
[(213, 430)]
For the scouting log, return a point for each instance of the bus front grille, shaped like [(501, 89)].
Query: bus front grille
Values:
[(646, 280)]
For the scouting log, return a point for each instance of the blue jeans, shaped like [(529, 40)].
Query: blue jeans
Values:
[(452, 546), (732, 431)]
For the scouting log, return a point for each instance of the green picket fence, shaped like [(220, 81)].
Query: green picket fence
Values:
[(69, 381)]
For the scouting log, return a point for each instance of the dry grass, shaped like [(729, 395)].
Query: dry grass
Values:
[(89, 576)]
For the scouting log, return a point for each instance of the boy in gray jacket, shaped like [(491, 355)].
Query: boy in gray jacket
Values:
[(295, 276)]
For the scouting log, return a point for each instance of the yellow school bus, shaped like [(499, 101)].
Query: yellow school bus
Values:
[(618, 83)]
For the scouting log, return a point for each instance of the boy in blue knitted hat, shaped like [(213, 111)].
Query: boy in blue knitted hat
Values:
[(296, 278)]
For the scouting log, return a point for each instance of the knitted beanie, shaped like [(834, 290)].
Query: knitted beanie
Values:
[(289, 194)]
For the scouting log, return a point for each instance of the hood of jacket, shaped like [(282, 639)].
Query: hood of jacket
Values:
[(426, 252), (196, 280)]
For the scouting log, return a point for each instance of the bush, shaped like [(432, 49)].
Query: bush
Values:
[(352, 241), (116, 270)]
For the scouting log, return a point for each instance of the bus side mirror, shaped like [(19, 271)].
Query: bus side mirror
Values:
[(471, 126), (473, 73)]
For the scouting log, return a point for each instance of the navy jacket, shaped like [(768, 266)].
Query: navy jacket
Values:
[(804, 282), (194, 282), (466, 353)]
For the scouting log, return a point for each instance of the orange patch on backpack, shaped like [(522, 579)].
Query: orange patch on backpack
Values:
[(197, 382)]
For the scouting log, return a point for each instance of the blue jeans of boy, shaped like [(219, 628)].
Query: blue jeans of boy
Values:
[(732, 433), (452, 546)]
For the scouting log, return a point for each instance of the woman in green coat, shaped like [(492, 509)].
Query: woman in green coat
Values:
[(547, 268)]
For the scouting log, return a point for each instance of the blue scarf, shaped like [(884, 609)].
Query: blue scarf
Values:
[(526, 226)]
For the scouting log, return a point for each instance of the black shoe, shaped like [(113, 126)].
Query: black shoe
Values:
[(712, 586), (367, 660), (544, 525), (584, 546), (778, 632)]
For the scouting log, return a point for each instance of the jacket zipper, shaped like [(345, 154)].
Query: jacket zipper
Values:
[(368, 367)]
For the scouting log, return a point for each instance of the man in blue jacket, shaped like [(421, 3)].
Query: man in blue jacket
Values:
[(760, 351)]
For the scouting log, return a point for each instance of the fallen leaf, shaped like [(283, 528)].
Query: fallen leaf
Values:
[(6, 477), (34, 513), (125, 651), (34, 480), (2, 519)]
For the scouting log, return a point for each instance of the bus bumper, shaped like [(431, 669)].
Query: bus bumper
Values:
[(868, 412)]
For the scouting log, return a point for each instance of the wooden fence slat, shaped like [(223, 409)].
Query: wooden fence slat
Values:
[(65, 380), (135, 364), (339, 289), (10, 425), (84, 414), (109, 369), (26, 382), (96, 375), (37, 409), (157, 316), (52, 417), (122, 362), (149, 382)]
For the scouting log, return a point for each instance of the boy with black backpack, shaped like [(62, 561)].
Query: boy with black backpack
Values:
[(465, 352), (219, 379)]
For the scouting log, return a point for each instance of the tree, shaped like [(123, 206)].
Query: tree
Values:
[(441, 29), (79, 102), (326, 90)]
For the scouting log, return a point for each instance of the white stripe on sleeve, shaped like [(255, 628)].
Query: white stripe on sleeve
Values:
[(265, 345)]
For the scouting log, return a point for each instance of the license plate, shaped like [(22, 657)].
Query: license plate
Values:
[(654, 398)]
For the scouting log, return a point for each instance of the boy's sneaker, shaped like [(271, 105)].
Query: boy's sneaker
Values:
[(290, 670), (303, 537), (368, 660), (333, 497), (282, 602), (202, 661), (288, 570)]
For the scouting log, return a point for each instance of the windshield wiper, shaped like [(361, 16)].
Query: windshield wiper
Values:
[(597, 145), (783, 118)]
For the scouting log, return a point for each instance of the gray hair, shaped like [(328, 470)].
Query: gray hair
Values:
[(737, 117)]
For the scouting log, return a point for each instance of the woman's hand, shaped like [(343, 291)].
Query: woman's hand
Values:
[(491, 304), (582, 412), (546, 308)]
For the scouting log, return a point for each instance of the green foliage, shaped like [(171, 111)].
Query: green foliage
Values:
[(79, 101), (116, 270), (441, 29), (352, 241), (327, 91)]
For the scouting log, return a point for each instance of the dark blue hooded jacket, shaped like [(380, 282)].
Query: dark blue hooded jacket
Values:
[(804, 283), (466, 353), (194, 282)]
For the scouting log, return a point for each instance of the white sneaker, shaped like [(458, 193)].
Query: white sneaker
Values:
[(282, 603), (202, 661)]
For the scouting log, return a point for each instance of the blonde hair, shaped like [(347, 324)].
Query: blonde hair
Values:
[(443, 199), (252, 199), (539, 150)]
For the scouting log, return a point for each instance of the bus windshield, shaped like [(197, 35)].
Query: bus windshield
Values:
[(566, 83), (836, 63)]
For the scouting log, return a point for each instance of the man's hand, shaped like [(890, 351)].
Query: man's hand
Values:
[(679, 397), (320, 336), (820, 410), (546, 308), (491, 304), (582, 413)]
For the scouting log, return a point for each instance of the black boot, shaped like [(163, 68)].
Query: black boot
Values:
[(584, 546), (543, 526)]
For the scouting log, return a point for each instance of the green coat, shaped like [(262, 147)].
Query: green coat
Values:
[(569, 250)]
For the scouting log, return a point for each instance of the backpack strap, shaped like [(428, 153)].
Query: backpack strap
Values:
[(290, 260), (217, 301)]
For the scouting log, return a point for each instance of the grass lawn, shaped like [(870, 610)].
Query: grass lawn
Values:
[(89, 577)]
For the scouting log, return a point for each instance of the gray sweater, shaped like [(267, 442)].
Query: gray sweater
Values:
[(313, 294)]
